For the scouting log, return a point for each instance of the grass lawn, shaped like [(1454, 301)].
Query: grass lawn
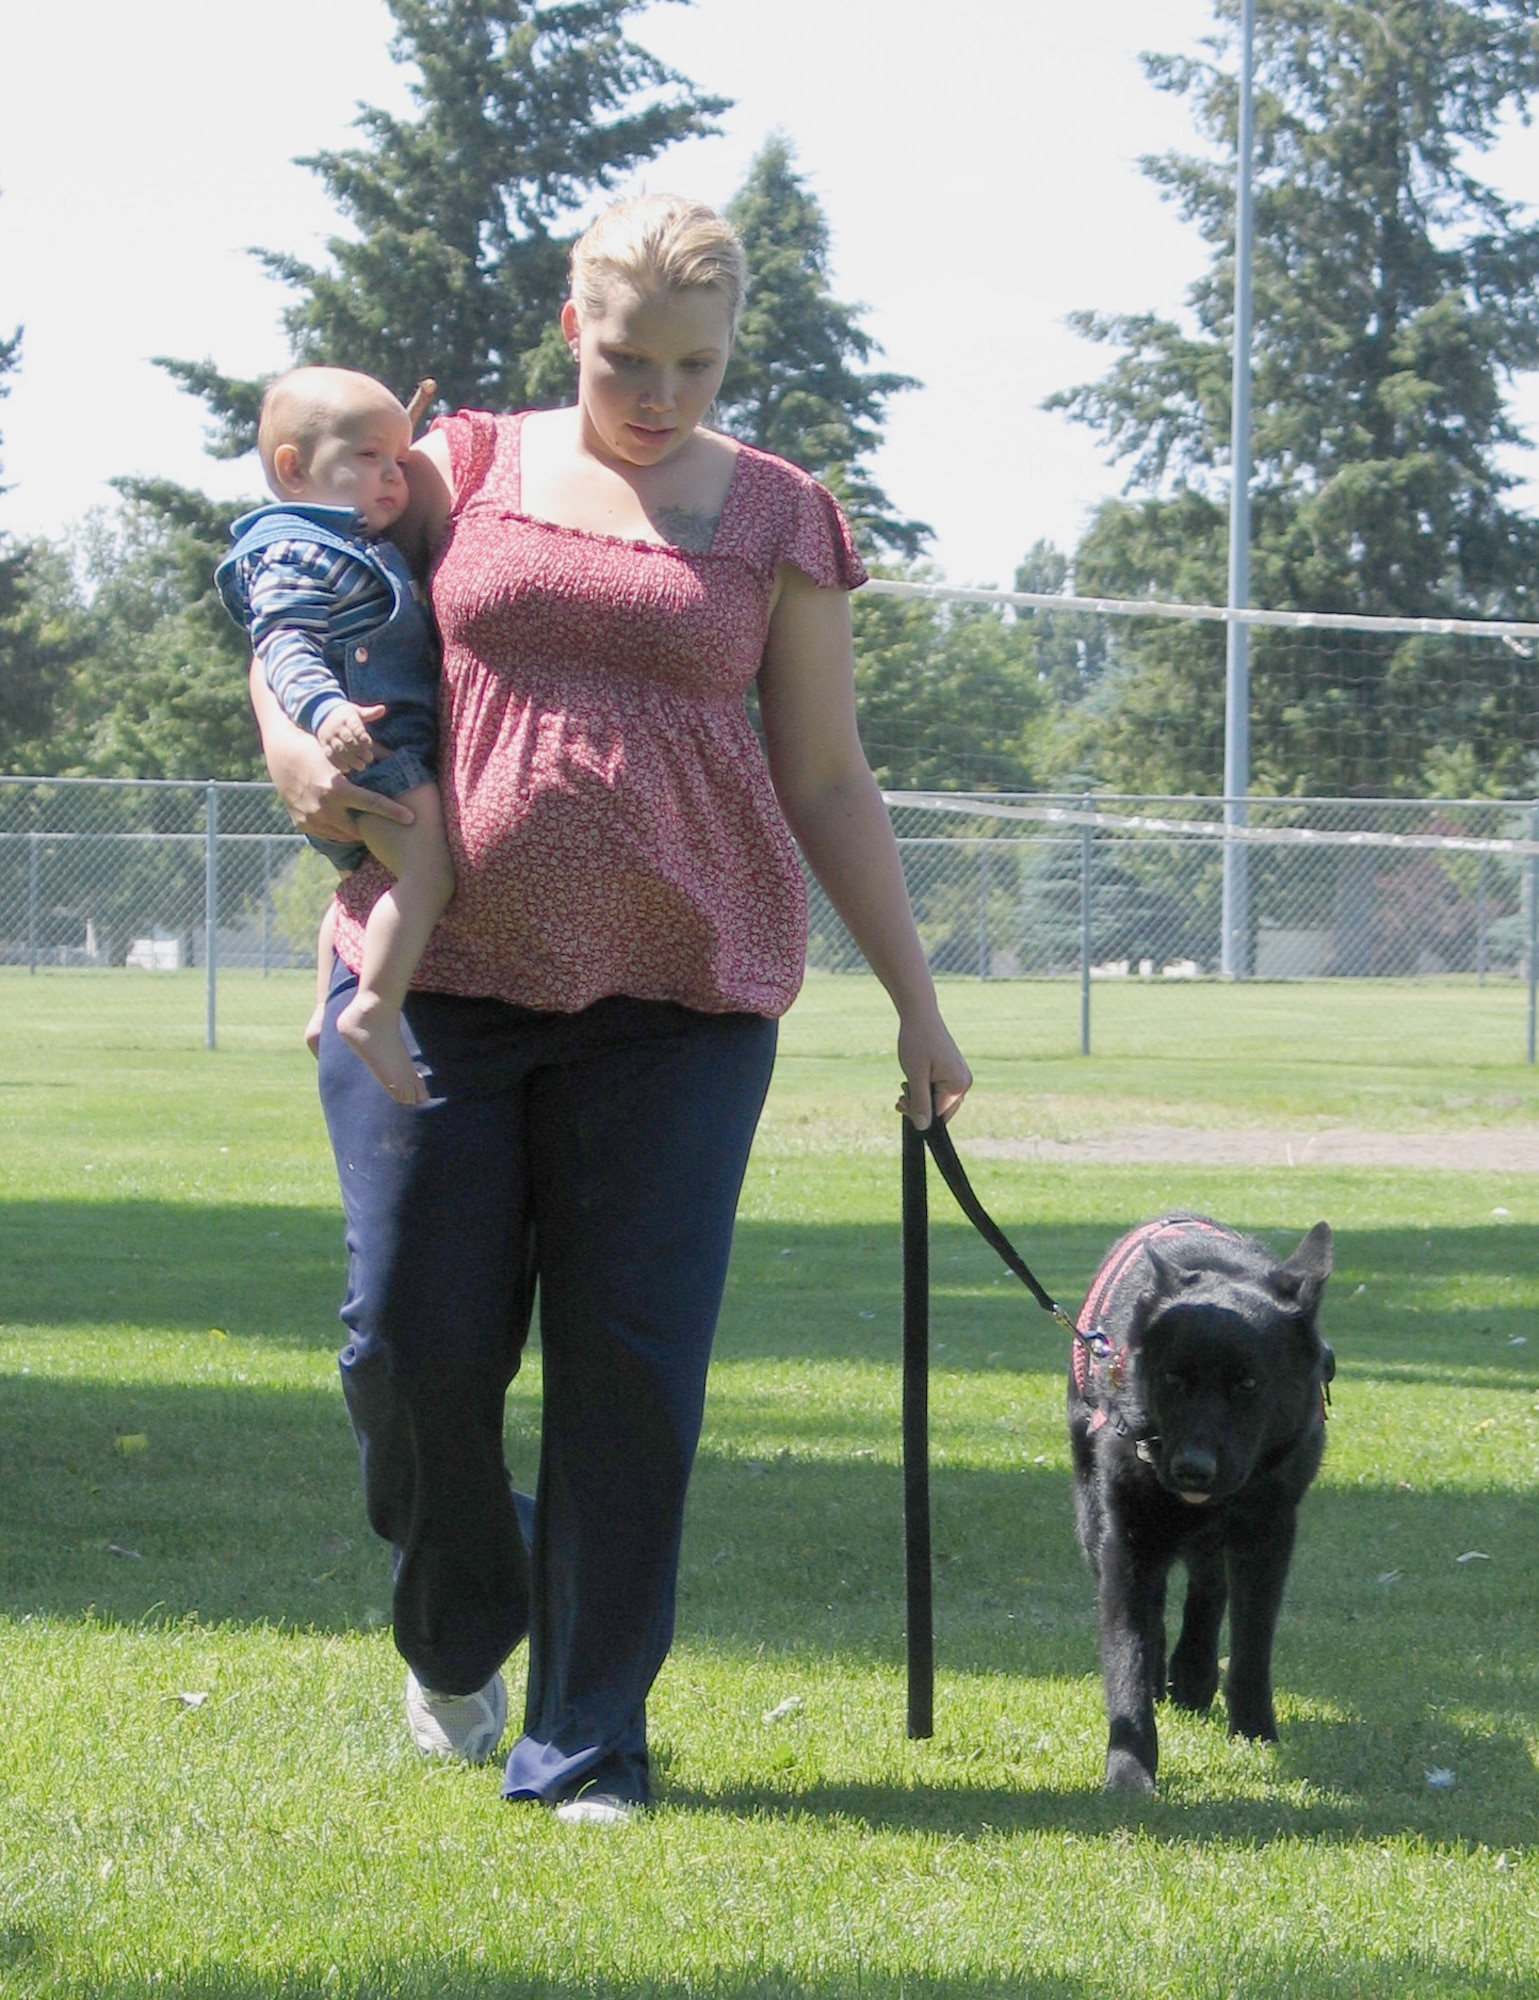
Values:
[(205, 1787)]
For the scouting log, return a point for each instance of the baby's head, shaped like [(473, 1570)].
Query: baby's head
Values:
[(333, 438), (658, 243)]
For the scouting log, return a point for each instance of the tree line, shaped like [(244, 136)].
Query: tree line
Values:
[(1396, 296)]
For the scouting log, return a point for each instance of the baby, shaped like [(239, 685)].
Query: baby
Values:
[(351, 656)]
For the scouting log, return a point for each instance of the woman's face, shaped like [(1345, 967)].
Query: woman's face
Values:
[(649, 365)]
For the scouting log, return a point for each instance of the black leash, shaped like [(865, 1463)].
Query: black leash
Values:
[(916, 1386), (938, 1139)]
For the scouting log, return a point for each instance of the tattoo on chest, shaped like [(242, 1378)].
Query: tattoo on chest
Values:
[(684, 529)]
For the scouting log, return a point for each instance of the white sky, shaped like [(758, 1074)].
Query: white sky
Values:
[(977, 162)]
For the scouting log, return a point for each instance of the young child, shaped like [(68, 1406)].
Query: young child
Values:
[(351, 656)]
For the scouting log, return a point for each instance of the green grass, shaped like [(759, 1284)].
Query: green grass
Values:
[(204, 1787)]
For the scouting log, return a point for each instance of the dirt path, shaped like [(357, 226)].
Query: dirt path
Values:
[(1504, 1150)]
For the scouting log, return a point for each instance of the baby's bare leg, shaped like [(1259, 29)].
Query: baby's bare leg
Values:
[(324, 947), (396, 936)]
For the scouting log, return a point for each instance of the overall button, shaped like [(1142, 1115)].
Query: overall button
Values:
[(361, 654)]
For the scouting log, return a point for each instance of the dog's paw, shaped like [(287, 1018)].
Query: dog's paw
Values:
[(1124, 1773)]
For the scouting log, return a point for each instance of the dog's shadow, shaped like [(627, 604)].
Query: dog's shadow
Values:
[(1492, 1800)]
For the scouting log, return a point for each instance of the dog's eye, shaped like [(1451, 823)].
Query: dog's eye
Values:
[(1174, 1379), (1246, 1386)]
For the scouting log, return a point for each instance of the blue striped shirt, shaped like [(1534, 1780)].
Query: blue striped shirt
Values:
[(305, 603)]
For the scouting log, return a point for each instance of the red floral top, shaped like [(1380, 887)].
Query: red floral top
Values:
[(610, 816)]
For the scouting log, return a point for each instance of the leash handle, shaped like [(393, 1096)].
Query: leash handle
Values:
[(916, 1437), (938, 1140)]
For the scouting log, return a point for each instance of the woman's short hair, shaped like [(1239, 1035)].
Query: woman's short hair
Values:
[(658, 240)]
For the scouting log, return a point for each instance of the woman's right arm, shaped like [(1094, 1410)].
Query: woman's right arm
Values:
[(319, 799)]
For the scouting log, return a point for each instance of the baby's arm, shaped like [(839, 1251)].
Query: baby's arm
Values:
[(290, 597)]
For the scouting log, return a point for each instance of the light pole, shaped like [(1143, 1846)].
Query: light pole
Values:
[(1235, 944)]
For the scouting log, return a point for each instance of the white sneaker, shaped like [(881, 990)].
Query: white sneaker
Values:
[(465, 1726), (597, 1809)]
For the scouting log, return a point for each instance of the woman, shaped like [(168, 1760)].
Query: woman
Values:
[(596, 1014)]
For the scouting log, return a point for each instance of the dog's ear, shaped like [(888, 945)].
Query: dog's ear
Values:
[(1167, 1281), (1302, 1278), (1169, 1278)]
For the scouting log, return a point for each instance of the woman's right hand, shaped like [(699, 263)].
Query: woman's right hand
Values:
[(318, 798)]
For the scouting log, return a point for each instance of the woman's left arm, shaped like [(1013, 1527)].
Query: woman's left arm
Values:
[(832, 805)]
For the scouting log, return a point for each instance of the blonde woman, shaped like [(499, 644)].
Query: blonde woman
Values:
[(596, 1012)]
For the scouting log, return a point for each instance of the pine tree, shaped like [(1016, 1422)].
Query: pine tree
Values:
[(1395, 296), (40, 638), (797, 383), (457, 267)]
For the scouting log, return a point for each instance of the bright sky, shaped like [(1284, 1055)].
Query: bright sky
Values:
[(977, 163)]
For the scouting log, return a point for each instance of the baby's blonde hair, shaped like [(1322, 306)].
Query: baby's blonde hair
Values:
[(658, 240), (308, 404)]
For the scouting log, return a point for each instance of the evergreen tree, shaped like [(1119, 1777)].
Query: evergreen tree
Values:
[(39, 640), (948, 696), (797, 383), (457, 268), (1395, 296), (163, 691)]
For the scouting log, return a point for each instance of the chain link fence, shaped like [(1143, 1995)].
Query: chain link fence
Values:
[(160, 876), (151, 876), (1016, 887)]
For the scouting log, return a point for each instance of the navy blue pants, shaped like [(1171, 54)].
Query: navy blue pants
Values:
[(598, 1158)]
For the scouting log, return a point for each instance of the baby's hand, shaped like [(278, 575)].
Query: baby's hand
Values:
[(343, 734)]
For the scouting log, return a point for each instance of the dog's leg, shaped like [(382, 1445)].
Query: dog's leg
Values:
[(1132, 1651), (1194, 1663), (1258, 1555)]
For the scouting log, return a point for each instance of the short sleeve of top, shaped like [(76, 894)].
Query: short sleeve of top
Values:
[(609, 813)]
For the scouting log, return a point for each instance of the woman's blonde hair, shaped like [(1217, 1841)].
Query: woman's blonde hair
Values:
[(658, 240)]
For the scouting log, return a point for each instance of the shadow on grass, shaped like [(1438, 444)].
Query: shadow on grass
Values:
[(253, 1270), (1345, 1975), (826, 1292), (241, 1504), (241, 1507), (1506, 1820), (443, 1979), (831, 1293)]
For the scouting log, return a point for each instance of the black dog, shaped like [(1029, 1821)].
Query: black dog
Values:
[(1197, 1421)]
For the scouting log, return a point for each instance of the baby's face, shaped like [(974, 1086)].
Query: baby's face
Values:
[(362, 465)]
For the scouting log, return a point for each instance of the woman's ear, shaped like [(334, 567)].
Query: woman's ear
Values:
[(288, 469), (571, 325)]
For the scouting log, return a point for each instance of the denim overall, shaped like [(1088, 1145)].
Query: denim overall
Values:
[(395, 663)]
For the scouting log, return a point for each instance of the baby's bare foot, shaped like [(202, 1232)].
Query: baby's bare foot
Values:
[(313, 1028), (373, 1032)]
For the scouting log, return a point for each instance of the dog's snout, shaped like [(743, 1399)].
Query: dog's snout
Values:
[(1194, 1469)]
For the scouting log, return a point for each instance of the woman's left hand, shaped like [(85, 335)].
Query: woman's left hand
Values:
[(935, 1073)]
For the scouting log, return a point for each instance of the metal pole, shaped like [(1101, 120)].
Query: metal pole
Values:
[(211, 910), (1235, 945), (32, 902), (1480, 921), (1084, 934), (983, 909), (1533, 930), (267, 896)]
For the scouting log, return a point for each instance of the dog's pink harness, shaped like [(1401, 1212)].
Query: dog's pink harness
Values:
[(1099, 1368)]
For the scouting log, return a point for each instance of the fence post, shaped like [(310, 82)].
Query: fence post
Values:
[(1086, 834), (983, 909), (1533, 928), (32, 840), (1480, 921), (211, 910), (267, 896)]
